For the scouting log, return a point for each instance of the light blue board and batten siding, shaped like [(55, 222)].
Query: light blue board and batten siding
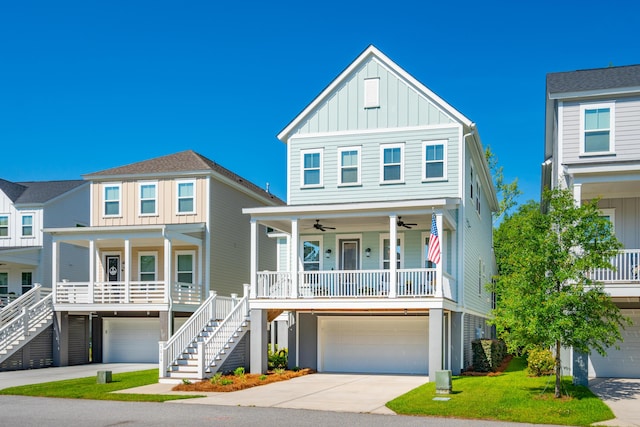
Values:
[(401, 105), (371, 189), (627, 131)]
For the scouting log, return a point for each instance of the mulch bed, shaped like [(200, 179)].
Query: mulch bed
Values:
[(498, 371), (241, 382)]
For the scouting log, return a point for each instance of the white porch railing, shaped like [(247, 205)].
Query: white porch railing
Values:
[(627, 268), (14, 308), (28, 323), (417, 282), (135, 292)]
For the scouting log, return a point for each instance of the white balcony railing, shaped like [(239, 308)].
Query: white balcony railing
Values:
[(627, 268), (410, 283)]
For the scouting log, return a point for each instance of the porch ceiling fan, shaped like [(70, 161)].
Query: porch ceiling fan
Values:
[(401, 223), (321, 227)]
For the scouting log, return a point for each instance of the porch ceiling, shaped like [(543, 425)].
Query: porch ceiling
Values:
[(608, 190)]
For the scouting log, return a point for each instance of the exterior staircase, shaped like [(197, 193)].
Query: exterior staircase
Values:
[(23, 319), (201, 346)]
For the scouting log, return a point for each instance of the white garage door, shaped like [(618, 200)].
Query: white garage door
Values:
[(623, 363), (130, 340), (385, 344)]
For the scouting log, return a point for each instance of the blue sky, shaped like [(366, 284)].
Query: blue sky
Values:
[(87, 85)]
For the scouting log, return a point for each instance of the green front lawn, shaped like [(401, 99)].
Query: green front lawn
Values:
[(86, 388), (511, 396)]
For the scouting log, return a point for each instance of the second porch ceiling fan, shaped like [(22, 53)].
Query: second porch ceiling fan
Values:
[(321, 227), (401, 223)]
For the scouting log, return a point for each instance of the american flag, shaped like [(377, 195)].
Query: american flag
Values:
[(434, 242)]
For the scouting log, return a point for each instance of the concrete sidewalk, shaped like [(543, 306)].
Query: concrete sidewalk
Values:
[(324, 392), (622, 396)]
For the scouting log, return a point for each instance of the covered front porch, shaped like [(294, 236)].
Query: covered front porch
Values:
[(132, 268), (344, 252)]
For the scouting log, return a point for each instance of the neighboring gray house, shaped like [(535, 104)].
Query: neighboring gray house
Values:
[(592, 146), (373, 160)]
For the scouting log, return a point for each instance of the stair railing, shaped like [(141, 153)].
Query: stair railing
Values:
[(14, 308), (28, 318)]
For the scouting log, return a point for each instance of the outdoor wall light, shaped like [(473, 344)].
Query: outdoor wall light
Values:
[(367, 252), (327, 253)]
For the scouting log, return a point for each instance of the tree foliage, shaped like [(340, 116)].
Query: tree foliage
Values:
[(546, 297), (508, 192)]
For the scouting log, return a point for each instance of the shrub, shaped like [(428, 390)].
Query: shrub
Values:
[(540, 362), (239, 372), (186, 381), (488, 354), (263, 377), (226, 381), (278, 358), (216, 378)]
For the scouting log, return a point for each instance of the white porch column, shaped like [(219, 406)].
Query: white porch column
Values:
[(55, 252), (436, 342), (577, 192), (127, 270), (439, 276), (295, 254), (167, 269), (393, 256), (254, 259), (200, 260), (92, 269)]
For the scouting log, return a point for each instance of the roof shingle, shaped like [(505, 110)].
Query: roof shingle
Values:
[(37, 191), (594, 79)]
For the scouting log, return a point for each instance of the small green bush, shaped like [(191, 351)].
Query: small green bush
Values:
[(263, 377), (488, 354), (226, 381), (186, 381), (216, 378), (239, 372), (277, 358), (540, 362)]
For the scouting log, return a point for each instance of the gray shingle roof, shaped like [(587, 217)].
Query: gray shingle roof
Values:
[(594, 79), (184, 161), (37, 191)]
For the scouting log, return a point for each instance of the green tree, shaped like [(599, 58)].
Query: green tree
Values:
[(508, 192), (546, 297)]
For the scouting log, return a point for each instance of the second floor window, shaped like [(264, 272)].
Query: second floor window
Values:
[(312, 168), (597, 130), (386, 253), (434, 162), (147, 199), (186, 196), (311, 255), (27, 226), (112, 200), (4, 225), (349, 173), (392, 170)]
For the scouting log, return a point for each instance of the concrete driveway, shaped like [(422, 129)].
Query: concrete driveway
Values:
[(622, 396), (325, 392)]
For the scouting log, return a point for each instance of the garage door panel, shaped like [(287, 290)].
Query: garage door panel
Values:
[(374, 344), (131, 340), (622, 363)]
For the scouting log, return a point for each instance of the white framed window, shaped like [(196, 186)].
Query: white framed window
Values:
[(4, 282), (186, 196), (147, 192), (425, 251), (27, 281), (4, 226), (112, 195), (385, 251), (27, 225), (610, 214), (391, 163), (311, 168), (434, 160), (185, 267), (597, 134), (312, 253), (147, 266), (349, 166), (372, 93), (478, 197), (481, 276)]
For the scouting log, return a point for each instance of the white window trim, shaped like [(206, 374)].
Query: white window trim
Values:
[(482, 272), (194, 265), (611, 213), (104, 199), (400, 237), (32, 276), (382, 164), (424, 249), (612, 120), (426, 144), (310, 238), (8, 236), (371, 93), (155, 272), (33, 225), (185, 181), (8, 279), (321, 168), (155, 199), (341, 150), (105, 275)]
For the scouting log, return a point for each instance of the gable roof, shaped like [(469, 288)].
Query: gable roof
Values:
[(369, 53), (596, 79), (34, 192), (182, 162)]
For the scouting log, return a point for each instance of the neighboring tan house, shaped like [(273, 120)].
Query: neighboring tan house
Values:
[(163, 234), (25, 264), (592, 146), (376, 162)]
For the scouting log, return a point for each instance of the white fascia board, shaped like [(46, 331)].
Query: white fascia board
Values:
[(120, 307), (367, 305), (386, 62), (609, 168), (487, 180), (596, 93), (130, 230)]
